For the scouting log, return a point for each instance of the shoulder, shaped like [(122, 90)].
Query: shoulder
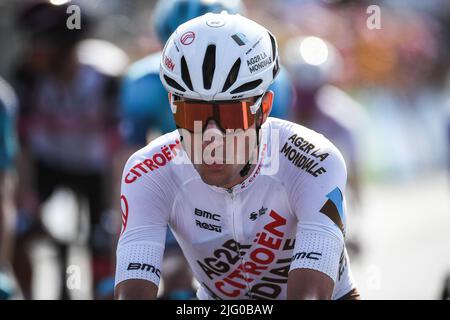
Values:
[(135, 94), (154, 160), (314, 174), (305, 152), (145, 67)]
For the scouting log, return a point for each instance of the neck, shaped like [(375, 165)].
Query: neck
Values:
[(249, 171), (239, 179)]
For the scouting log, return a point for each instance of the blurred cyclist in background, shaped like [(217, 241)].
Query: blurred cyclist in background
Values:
[(68, 131), (8, 105), (145, 110), (144, 107), (315, 64)]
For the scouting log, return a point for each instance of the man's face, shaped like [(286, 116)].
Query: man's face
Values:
[(219, 157), (237, 151)]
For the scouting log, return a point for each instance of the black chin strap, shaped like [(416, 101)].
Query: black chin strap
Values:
[(245, 169), (247, 166)]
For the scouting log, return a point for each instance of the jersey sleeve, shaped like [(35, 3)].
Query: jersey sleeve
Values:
[(145, 214), (319, 204)]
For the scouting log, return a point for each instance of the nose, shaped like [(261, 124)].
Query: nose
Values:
[(212, 124), (212, 130)]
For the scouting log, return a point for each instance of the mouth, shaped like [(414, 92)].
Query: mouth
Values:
[(214, 166)]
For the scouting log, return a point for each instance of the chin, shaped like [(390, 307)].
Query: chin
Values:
[(218, 177), (213, 182)]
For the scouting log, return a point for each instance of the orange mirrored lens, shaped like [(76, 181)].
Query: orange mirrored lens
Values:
[(188, 113), (228, 115), (236, 116)]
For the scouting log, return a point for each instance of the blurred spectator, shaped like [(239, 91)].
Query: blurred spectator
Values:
[(68, 131), (8, 105)]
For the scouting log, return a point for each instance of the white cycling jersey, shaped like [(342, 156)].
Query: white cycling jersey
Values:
[(242, 242)]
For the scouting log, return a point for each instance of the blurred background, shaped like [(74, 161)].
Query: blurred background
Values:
[(75, 104)]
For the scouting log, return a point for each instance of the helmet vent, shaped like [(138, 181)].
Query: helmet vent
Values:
[(247, 86), (274, 46), (185, 73), (209, 65), (232, 75), (174, 84)]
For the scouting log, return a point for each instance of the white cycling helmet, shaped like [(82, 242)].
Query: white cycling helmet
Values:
[(219, 57)]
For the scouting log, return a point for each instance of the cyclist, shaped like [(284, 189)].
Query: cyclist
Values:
[(144, 107), (268, 223)]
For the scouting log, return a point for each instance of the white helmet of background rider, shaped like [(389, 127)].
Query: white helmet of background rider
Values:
[(219, 57)]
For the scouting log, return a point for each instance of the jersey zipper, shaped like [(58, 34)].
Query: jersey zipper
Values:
[(236, 238)]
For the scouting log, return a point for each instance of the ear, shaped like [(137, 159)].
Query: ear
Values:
[(266, 105)]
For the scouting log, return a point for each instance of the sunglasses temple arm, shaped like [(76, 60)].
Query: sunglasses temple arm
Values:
[(256, 105), (172, 104)]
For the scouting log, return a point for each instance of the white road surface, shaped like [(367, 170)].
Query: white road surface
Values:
[(406, 239)]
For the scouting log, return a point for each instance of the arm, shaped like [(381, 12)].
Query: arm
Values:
[(319, 205), (135, 289), (144, 206), (308, 284)]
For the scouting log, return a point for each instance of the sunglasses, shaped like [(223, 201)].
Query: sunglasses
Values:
[(232, 114)]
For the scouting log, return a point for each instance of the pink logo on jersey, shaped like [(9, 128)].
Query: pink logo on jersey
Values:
[(187, 38)]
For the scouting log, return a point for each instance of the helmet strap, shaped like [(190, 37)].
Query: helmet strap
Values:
[(244, 171)]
